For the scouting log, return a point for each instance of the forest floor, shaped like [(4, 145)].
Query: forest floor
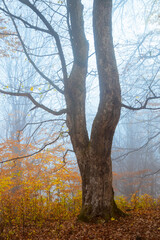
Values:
[(137, 225)]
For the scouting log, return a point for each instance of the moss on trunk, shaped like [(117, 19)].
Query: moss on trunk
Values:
[(86, 214)]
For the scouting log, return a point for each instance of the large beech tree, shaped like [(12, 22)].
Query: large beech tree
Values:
[(93, 153)]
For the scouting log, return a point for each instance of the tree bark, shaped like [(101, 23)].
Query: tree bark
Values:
[(94, 154)]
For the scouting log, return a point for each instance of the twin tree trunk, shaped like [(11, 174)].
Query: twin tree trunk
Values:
[(94, 153)]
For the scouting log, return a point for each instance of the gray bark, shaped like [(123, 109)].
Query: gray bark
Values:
[(94, 154)]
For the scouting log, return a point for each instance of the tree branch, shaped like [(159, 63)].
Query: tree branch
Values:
[(26, 24), (32, 154), (137, 149), (27, 55), (143, 106), (8, 34), (150, 174), (65, 154), (46, 121), (52, 32), (38, 105)]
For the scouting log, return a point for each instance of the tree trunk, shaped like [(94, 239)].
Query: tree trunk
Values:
[(94, 154), (98, 197)]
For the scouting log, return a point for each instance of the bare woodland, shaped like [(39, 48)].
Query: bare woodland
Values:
[(83, 79)]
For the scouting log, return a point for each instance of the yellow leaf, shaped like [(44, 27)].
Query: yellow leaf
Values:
[(112, 219), (31, 88)]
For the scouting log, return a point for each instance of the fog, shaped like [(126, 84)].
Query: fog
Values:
[(136, 145)]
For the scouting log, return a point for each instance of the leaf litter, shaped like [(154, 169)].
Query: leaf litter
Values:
[(138, 225)]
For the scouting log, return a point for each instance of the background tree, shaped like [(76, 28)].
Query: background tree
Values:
[(134, 158), (137, 139)]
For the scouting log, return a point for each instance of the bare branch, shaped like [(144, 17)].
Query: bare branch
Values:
[(143, 106), (32, 154), (150, 174), (52, 32), (46, 121), (65, 154), (8, 34), (38, 105), (137, 149), (152, 92), (28, 57), (26, 24)]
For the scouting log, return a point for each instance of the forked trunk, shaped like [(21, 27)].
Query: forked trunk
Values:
[(94, 154)]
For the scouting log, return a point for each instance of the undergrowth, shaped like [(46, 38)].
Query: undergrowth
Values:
[(21, 208), (44, 189), (142, 202)]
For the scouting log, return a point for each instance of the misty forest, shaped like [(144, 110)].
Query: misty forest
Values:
[(79, 123)]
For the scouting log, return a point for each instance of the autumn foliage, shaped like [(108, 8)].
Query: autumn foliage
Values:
[(9, 40), (38, 188), (45, 189)]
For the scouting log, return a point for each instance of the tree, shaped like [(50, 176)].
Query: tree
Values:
[(93, 153)]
